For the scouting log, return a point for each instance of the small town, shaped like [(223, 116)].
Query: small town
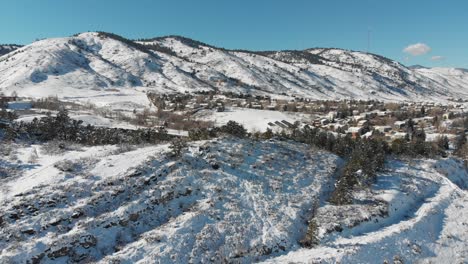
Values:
[(356, 118)]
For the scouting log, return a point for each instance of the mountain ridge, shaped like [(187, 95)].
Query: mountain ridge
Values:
[(7, 48), (100, 60)]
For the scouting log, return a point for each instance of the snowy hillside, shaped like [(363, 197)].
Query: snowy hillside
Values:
[(424, 219), (231, 200), (102, 62)]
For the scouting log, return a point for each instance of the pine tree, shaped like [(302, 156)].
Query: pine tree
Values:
[(176, 147)]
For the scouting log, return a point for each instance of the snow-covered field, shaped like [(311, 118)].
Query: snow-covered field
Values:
[(224, 200), (252, 119)]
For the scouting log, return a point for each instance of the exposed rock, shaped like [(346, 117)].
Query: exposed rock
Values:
[(61, 252), (88, 241)]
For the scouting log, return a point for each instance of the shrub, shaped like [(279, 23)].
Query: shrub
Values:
[(67, 166), (417, 147), (461, 147), (311, 238), (234, 128), (443, 142), (201, 134), (176, 147), (122, 148), (7, 115), (268, 134), (399, 146), (50, 103)]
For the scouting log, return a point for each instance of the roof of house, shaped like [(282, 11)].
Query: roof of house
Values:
[(354, 129)]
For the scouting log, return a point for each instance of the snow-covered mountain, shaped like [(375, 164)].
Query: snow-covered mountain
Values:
[(98, 61)]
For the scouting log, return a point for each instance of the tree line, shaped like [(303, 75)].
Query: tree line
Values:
[(62, 127)]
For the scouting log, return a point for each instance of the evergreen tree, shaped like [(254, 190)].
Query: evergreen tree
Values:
[(177, 146), (235, 129)]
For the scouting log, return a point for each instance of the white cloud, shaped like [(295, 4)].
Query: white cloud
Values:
[(417, 49), (437, 58)]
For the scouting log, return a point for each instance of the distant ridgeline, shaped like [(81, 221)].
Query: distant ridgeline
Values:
[(100, 60), (7, 48)]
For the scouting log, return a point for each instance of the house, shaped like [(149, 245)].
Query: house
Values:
[(257, 106), (355, 131), (359, 117), (363, 123), (381, 113), (399, 135), (342, 127), (400, 124), (332, 115), (324, 121), (368, 134), (383, 129)]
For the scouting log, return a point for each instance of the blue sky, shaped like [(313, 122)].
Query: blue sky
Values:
[(439, 28)]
